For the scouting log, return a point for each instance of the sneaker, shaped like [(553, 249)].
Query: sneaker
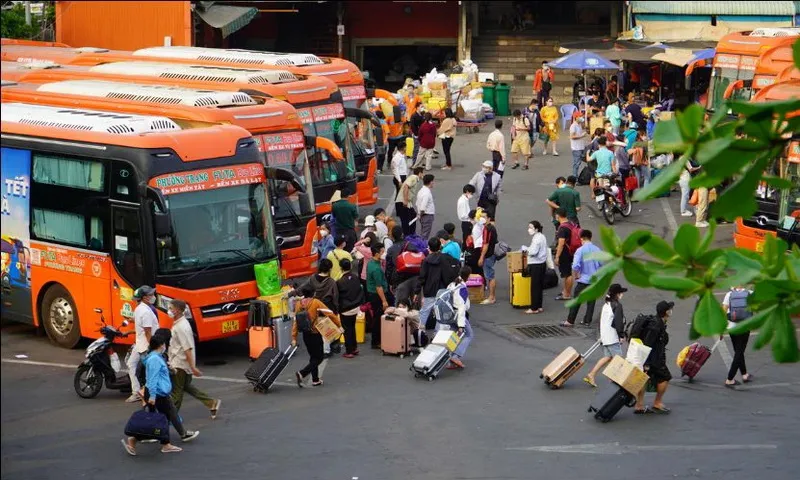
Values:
[(190, 435), (447, 168), (215, 409), (133, 398), (516, 166), (687, 214), (701, 224), (317, 384)]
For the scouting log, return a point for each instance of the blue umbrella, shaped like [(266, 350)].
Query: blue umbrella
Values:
[(704, 54), (583, 60)]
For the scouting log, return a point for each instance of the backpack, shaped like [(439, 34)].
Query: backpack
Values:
[(303, 321), (585, 176), (737, 310), (443, 307), (640, 326), (574, 238), (501, 249), (409, 262), (420, 244)]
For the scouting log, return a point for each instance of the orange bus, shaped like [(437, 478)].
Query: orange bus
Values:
[(344, 73), (103, 202), (274, 125), (737, 58), (317, 100), (777, 209)]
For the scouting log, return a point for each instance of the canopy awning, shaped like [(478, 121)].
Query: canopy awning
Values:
[(226, 18), (771, 8)]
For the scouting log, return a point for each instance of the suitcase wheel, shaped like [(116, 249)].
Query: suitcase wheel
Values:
[(691, 379), (416, 375), (590, 410), (541, 375), (402, 355), (430, 379)]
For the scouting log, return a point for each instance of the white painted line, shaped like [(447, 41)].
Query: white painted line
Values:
[(727, 359), (210, 378), (616, 449), (673, 224)]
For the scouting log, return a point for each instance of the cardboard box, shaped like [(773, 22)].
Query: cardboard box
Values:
[(329, 331), (516, 261), (442, 94), (476, 295), (446, 338), (437, 85), (626, 375)]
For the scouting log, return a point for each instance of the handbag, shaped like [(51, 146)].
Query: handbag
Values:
[(148, 424), (631, 183), (501, 249), (543, 136), (695, 198), (551, 264)]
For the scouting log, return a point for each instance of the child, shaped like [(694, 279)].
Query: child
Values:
[(403, 309)]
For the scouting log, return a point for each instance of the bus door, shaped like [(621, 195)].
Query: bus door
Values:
[(126, 243)]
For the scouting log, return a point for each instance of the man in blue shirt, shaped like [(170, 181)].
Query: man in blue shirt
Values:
[(583, 269), (449, 247), (606, 164)]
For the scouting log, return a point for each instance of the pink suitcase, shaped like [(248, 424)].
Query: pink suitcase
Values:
[(394, 335), (697, 357)]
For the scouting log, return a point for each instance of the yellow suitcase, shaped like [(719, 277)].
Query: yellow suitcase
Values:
[(520, 291), (361, 328)]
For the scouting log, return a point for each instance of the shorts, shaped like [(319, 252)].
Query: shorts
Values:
[(488, 267), (612, 350), (521, 144), (659, 374), (565, 265)]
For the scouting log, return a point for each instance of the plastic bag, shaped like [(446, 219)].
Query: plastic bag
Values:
[(268, 278), (638, 353)]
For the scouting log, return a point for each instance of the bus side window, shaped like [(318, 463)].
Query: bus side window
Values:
[(128, 245), (123, 182)]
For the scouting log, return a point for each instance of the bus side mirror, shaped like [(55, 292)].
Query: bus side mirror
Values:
[(327, 145), (274, 173), (731, 88), (162, 221)]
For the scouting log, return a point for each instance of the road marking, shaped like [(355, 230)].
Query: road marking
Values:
[(722, 348), (617, 449), (210, 378), (673, 224)]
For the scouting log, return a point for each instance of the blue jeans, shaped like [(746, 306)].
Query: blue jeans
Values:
[(577, 159), (643, 175), (461, 350), (425, 311), (685, 192)]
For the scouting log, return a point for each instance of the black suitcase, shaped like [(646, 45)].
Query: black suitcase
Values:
[(267, 367), (609, 401)]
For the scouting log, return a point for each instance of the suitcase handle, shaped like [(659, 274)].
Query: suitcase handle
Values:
[(591, 349)]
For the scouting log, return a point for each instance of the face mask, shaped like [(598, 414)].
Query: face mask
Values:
[(171, 314), (323, 233), (482, 221), (531, 231), (151, 300)]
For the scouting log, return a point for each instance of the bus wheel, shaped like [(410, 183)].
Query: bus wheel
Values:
[(60, 317)]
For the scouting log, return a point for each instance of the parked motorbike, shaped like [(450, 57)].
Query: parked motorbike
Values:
[(612, 197), (102, 364)]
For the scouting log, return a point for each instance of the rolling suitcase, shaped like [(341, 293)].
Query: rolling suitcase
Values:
[(557, 372), (520, 291), (394, 335), (609, 401), (696, 356), (259, 328), (267, 367), (432, 360)]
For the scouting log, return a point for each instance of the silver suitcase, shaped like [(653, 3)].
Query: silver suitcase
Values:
[(430, 362), (282, 326)]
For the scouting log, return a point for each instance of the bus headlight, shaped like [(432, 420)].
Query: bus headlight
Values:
[(163, 301)]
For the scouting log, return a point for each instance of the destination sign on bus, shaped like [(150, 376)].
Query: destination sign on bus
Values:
[(357, 92), (280, 141), (209, 178), (794, 152), (321, 113)]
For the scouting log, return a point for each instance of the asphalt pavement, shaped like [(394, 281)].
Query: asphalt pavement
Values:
[(374, 421)]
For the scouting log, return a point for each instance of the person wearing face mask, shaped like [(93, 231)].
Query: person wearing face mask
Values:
[(537, 266), (182, 358), (550, 129), (324, 241), (614, 115), (145, 323), (159, 388), (578, 140), (488, 183), (654, 335), (612, 330)]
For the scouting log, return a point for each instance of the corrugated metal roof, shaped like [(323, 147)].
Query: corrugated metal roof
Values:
[(717, 8)]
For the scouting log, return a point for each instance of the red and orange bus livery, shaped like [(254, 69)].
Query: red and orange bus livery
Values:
[(107, 201)]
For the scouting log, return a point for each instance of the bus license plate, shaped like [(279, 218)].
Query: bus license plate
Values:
[(230, 326), (599, 198)]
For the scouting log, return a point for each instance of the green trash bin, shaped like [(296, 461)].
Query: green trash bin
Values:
[(503, 91), (488, 95)]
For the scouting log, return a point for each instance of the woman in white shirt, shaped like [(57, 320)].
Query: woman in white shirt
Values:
[(537, 266), (612, 330), (399, 170)]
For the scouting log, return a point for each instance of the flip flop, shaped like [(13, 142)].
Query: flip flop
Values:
[(643, 411), (533, 312), (732, 385), (131, 451), (565, 324), (590, 382), (661, 410), (749, 378), (562, 298)]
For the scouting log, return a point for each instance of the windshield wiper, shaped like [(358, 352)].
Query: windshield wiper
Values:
[(290, 207), (239, 252)]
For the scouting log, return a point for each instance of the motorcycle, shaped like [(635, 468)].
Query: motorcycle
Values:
[(612, 197), (102, 364)]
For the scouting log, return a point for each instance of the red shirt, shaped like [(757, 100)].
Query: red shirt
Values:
[(427, 135)]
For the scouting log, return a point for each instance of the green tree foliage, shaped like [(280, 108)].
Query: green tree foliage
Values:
[(742, 149), (12, 21)]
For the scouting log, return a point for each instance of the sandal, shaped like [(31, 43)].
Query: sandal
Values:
[(562, 298), (299, 378), (590, 382), (488, 302), (660, 410), (131, 451), (565, 324), (642, 411), (748, 379), (215, 410), (525, 167), (534, 312), (171, 449), (732, 385)]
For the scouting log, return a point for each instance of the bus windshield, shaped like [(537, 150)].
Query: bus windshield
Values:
[(324, 169), (728, 69), (286, 150), (219, 227)]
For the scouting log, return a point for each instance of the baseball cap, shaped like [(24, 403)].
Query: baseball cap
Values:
[(663, 307), (488, 163), (144, 291), (369, 221), (616, 289)]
